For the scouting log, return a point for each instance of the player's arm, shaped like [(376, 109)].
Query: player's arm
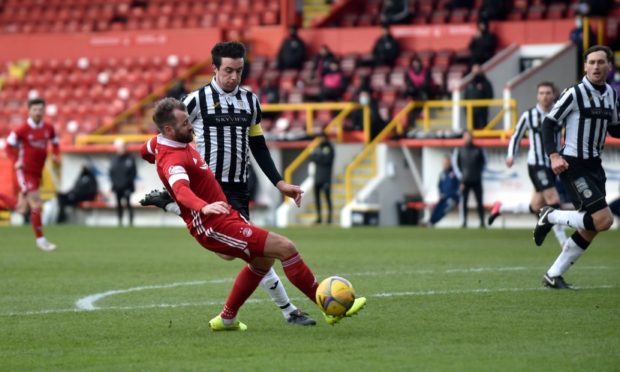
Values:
[(147, 151), (179, 182), (613, 128), (515, 140), (12, 150), (55, 148)]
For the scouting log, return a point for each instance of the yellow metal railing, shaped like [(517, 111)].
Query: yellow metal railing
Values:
[(398, 123), (335, 123), (392, 125)]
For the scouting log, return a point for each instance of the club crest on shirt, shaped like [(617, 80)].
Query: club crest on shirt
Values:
[(176, 169), (246, 231)]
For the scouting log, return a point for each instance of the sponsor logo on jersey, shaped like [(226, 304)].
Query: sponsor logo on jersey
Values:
[(176, 169)]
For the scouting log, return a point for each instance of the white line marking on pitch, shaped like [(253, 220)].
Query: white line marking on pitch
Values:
[(88, 303)]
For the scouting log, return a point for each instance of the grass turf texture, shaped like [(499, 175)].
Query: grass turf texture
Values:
[(437, 300)]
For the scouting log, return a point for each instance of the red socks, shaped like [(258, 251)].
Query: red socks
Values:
[(246, 282), (300, 275), (35, 221)]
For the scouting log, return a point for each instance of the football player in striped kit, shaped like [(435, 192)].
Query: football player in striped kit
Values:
[(590, 111), (539, 167)]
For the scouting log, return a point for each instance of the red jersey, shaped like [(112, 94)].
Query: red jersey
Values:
[(180, 167), (29, 142)]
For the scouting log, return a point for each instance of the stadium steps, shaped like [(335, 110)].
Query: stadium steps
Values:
[(361, 176)]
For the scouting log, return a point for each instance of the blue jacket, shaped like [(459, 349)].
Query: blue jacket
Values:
[(449, 184)]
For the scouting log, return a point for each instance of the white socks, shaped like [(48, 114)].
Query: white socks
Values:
[(560, 234), (573, 219), (173, 208), (570, 254), (272, 284)]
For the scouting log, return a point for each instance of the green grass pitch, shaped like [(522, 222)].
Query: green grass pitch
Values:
[(438, 300)]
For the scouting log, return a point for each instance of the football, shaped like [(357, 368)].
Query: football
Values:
[(335, 295)]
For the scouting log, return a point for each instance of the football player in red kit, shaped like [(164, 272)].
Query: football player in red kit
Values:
[(214, 224), (28, 146)]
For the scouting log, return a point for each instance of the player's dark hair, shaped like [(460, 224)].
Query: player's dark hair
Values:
[(164, 111), (36, 101), (547, 83), (599, 48), (229, 49)]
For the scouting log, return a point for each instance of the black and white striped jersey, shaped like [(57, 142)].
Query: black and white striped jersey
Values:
[(587, 114), (223, 123), (531, 122)]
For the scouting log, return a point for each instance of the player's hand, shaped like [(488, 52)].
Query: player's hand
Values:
[(509, 162), (218, 207), (292, 191), (558, 164), (56, 160)]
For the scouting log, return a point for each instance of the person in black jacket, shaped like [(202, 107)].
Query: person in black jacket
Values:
[(479, 88), (292, 51), (386, 49), (365, 98), (323, 158), (123, 174), (482, 46), (84, 189), (468, 162)]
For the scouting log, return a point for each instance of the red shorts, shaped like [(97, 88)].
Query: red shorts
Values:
[(233, 236), (28, 182)]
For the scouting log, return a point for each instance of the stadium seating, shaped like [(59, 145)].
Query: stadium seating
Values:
[(83, 94)]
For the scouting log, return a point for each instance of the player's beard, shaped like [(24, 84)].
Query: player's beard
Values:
[(184, 138)]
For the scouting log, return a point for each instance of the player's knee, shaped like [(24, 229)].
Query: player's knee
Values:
[(603, 221), (286, 248)]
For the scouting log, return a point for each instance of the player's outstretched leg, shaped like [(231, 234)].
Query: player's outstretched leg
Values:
[(495, 212), (157, 198), (358, 305), (245, 284), (272, 284), (543, 226)]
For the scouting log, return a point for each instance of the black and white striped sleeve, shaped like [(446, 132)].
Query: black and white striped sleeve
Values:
[(515, 140), (563, 106), (191, 103)]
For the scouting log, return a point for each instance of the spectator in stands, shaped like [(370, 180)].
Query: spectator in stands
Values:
[(448, 192), (395, 12), (320, 62), (333, 83), (178, 90), (469, 162), (492, 10), (482, 45), (419, 82), (84, 189), (365, 98), (323, 158), (419, 86), (456, 4), (292, 51), (270, 93), (123, 175), (594, 7), (386, 49), (479, 88)]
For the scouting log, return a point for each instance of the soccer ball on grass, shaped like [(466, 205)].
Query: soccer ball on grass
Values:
[(335, 295)]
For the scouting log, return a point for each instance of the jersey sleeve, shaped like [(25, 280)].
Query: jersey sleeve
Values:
[(515, 140), (563, 106), (193, 108), (147, 151), (55, 143), (257, 116), (178, 179), (13, 140)]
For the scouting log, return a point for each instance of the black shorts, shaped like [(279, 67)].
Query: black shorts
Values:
[(541, 176), (585, 183), (239, 198)]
